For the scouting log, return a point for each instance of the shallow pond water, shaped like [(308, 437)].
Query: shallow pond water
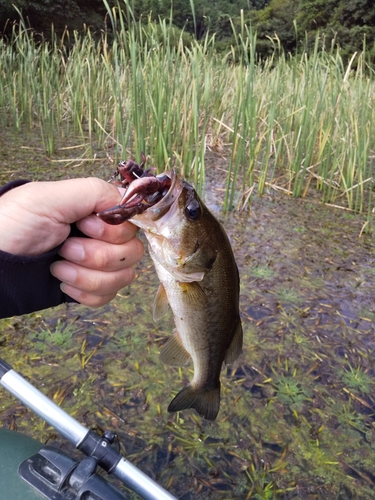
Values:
[(297, 417)]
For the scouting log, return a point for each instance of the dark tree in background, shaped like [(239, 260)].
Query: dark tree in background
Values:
[(292, 23), (297, 23), (41, 14), (346, 22)]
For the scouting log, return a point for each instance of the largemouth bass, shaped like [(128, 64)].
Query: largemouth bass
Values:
[(199, 280)]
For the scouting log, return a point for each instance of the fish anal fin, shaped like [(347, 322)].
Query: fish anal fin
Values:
[(205, 401), (235, 347), (193, 294), (160, 306), (174, 353)]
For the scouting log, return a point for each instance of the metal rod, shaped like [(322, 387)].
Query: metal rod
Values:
[(137, 481), (44, 407), (75, 432)]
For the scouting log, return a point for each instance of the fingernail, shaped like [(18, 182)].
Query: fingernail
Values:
[(72, 250), (64, 272), (74, 293), (92, 226)]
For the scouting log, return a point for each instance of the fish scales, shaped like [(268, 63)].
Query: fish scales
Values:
[(199, 280)]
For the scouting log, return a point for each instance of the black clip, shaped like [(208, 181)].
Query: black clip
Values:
[(58, 477)]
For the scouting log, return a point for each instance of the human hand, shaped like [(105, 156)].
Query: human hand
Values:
[(36, 217)]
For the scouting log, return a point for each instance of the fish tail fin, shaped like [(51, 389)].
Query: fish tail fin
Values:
[(205, 401)]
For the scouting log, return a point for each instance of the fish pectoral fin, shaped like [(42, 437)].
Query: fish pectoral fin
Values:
[(160, 305), (235, 347), (174, 353), (193, 294), (205, 401), (203, 258)]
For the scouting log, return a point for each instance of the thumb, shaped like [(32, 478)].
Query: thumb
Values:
[(74, 199), (36, 217)]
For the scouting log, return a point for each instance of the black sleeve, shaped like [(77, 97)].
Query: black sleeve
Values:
[(26, 284)]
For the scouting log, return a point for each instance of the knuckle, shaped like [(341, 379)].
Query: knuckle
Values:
[(96, 301), (123, 232), (135, 251), (139, 247), (129, 276), (122, 278), (103, 258), (92, 282)]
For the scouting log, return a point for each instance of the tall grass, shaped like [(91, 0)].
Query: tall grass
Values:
[(288, 123)]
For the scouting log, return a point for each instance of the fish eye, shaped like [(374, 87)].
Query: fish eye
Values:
[(193, 210)]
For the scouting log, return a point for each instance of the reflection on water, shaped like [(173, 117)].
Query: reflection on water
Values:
[(297, 412)]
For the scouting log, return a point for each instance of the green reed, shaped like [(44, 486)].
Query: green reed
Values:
[(287, 123)]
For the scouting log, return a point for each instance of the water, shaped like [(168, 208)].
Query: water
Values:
[(297, 410)]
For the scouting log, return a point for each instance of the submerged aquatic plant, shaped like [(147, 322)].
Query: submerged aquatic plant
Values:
[(60, 334), (291, 392), (357, 379), (262, 272), (287, 295)]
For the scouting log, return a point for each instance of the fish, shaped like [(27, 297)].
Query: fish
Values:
[(199, 281)]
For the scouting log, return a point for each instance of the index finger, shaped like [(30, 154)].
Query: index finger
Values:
[(96, 228)]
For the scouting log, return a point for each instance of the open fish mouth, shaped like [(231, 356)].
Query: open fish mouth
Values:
[(144, 190)]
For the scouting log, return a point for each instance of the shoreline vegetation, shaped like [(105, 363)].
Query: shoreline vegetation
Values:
[(287, 123)]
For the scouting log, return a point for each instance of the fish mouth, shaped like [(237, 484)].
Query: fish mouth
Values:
[(155, 212), (145, 193)]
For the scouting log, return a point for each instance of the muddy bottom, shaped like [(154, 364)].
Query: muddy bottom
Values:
[(297, 416)]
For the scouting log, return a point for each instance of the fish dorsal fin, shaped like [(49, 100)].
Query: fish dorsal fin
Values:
[(173, 352), (235, 347), (193, 294), (160, 306)]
